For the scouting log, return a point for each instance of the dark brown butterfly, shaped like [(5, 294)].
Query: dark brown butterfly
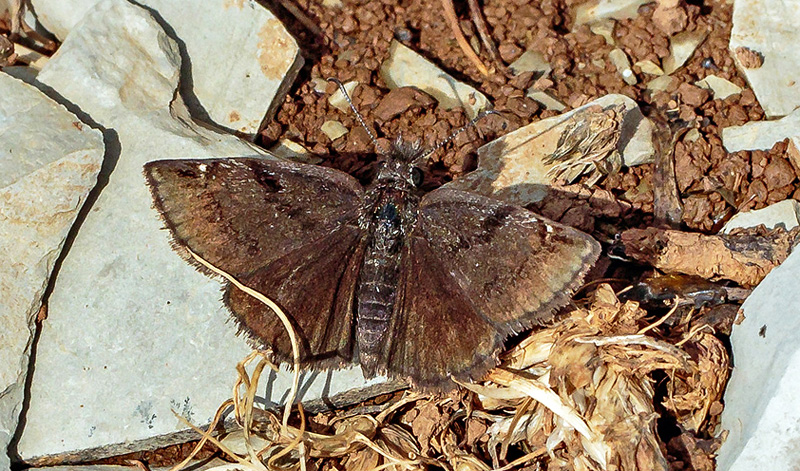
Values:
[(419, 287)]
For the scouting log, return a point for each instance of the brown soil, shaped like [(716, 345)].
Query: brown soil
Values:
[(353, 40)]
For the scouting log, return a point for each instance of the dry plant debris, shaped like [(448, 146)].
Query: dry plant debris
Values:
[(667, 204), (744, 256), (588, 145), (577, 395)]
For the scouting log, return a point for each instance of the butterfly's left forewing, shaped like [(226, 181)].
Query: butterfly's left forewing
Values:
[(289, 231), (241, 214)]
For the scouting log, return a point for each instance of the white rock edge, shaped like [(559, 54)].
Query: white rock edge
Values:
[(785, 213), (406, 68), (769, 28), (761, 413), (761, 135), (38, 210)]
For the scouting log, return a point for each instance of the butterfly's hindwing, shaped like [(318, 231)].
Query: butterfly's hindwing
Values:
[(436, 331), (476, 271), (315, 287)]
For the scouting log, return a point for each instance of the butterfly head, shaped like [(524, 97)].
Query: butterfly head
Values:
[(403, 161), (402, 164)]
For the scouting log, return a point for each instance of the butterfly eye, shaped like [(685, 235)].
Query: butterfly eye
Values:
[(416, 176)]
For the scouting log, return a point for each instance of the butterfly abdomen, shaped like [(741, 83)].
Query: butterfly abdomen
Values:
[(379, 278)]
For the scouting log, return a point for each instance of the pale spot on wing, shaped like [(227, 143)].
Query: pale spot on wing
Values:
[(202, 167)]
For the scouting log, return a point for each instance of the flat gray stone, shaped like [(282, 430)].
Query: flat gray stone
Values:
[(29, 57), (620, 60), (768, 28), (240, 57), (604, 28), (762, 135), (649, 67), (547, 100), (133, 331), (511, 168), (337, 99), (659, 84), (406, 68), (333, 129), (43, 185), (761, 413), (785, 213), (287, 149)]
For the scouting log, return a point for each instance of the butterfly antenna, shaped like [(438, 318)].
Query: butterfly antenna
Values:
[(455, 133), (358, 115)]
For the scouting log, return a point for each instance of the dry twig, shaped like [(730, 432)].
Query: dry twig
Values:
[(483, 31), (452, 20)]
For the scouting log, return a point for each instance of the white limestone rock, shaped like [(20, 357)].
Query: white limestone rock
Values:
[(623, 65), (761, 413), (240, 58), (287, 149), (531, 61), (511, 168), (720, 88), (768, 29), (591, 12), (659, 84), (333, 129), (406, 68), (548, 101), (604, 28), (133, 331), (785, 213), (681, 48), (337, 99), (649, 67), (44, 180), (692, 135), (762, 135), (30, 57)]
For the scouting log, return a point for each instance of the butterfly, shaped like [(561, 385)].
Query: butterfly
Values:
[(424, 287)]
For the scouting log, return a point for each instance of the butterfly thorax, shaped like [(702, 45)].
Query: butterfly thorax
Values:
[(389, 215)]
